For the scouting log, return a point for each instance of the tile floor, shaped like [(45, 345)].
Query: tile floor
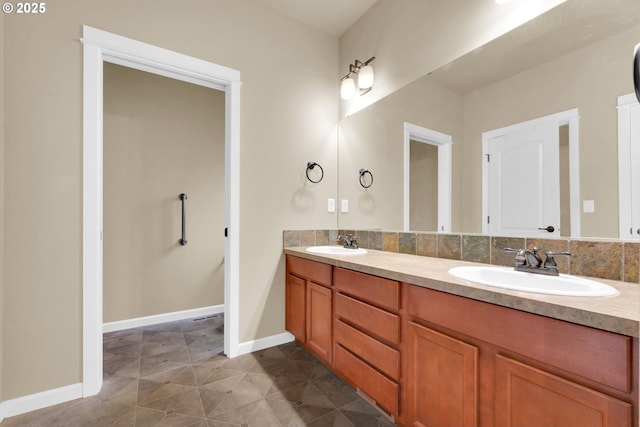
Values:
[(175, 375)]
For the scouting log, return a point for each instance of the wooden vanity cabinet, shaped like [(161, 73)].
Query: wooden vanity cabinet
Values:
[(308, 306), (367, 335), (434, 359), (471, 363)]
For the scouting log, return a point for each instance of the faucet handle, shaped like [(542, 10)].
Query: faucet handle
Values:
[(558, 253), (550, 261), (520, 258), (512, 250)]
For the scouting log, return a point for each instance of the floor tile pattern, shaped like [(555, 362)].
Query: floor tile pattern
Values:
[(175, 375)]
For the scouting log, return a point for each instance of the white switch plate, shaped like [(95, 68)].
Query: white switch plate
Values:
[(344, 205), (331, 205), (588, 206)]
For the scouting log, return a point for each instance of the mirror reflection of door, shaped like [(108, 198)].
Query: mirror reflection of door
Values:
[(423, 178), (527, 179)]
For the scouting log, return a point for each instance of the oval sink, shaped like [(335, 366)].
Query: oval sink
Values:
[(508, 278), (335, 250)]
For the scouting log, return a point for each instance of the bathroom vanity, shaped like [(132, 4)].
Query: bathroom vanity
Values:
[(430, 349)]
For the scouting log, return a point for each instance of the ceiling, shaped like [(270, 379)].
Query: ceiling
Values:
[(330, 16)]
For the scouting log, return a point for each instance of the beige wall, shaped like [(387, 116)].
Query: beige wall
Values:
[(411, 38), (162, 137), (288, 117)]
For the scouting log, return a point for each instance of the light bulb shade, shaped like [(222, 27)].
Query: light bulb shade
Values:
[(348, 88), (365, 77)]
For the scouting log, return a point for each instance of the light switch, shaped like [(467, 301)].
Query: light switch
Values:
[(588, 206), (331, 205), (344, 205)]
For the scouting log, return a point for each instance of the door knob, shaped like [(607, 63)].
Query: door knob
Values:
[(550, 229)]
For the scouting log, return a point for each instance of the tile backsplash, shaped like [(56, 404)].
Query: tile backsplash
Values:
[(605, 259)]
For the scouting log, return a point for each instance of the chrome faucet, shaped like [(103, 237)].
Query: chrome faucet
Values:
[(350, 242), (529, 261)]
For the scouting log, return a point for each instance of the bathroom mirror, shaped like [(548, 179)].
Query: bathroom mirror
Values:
[(576, 56)]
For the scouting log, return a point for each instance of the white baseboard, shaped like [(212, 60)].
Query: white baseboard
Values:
[(120, 325), (262, 343), (32, 402)]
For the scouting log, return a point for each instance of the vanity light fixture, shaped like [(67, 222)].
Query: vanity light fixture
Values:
[(365, 79)]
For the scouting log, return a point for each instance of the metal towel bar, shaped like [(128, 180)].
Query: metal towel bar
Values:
[(183, 240)]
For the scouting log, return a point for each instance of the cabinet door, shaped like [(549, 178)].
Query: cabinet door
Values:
[(295, 307), (529, 397), (442, 375), (319, 321)]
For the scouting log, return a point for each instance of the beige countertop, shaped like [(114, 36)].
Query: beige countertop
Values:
[(620, 314)]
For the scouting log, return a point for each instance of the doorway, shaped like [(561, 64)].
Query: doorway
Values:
[(162, 138), (100, 47), (441, 145)]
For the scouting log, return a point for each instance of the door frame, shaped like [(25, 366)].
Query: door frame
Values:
[(626, 201), (99, 47), (568, 117), (443, 142)]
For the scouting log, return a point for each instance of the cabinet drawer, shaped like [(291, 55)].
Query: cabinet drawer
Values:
[(373, 320), (311, 270), (380, 388), (382, 357), (376, 290), (598, 355)]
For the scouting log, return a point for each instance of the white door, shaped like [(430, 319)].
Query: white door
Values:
[(524, 180), (629, 166)]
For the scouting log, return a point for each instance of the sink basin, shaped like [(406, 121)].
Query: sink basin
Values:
[(335, 250), (508, 278)]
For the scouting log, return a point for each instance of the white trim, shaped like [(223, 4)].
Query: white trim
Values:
[(262, 343), (232, 215), (562, 118), (92, 222), (142, 56), (485, 185), (574, 176), (120, 325), (100, 47), (568, 117), (44, 399), (443, 142), (625, 198)]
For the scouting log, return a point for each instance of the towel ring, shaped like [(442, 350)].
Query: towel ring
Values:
[(310, 166), (364, 172)]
